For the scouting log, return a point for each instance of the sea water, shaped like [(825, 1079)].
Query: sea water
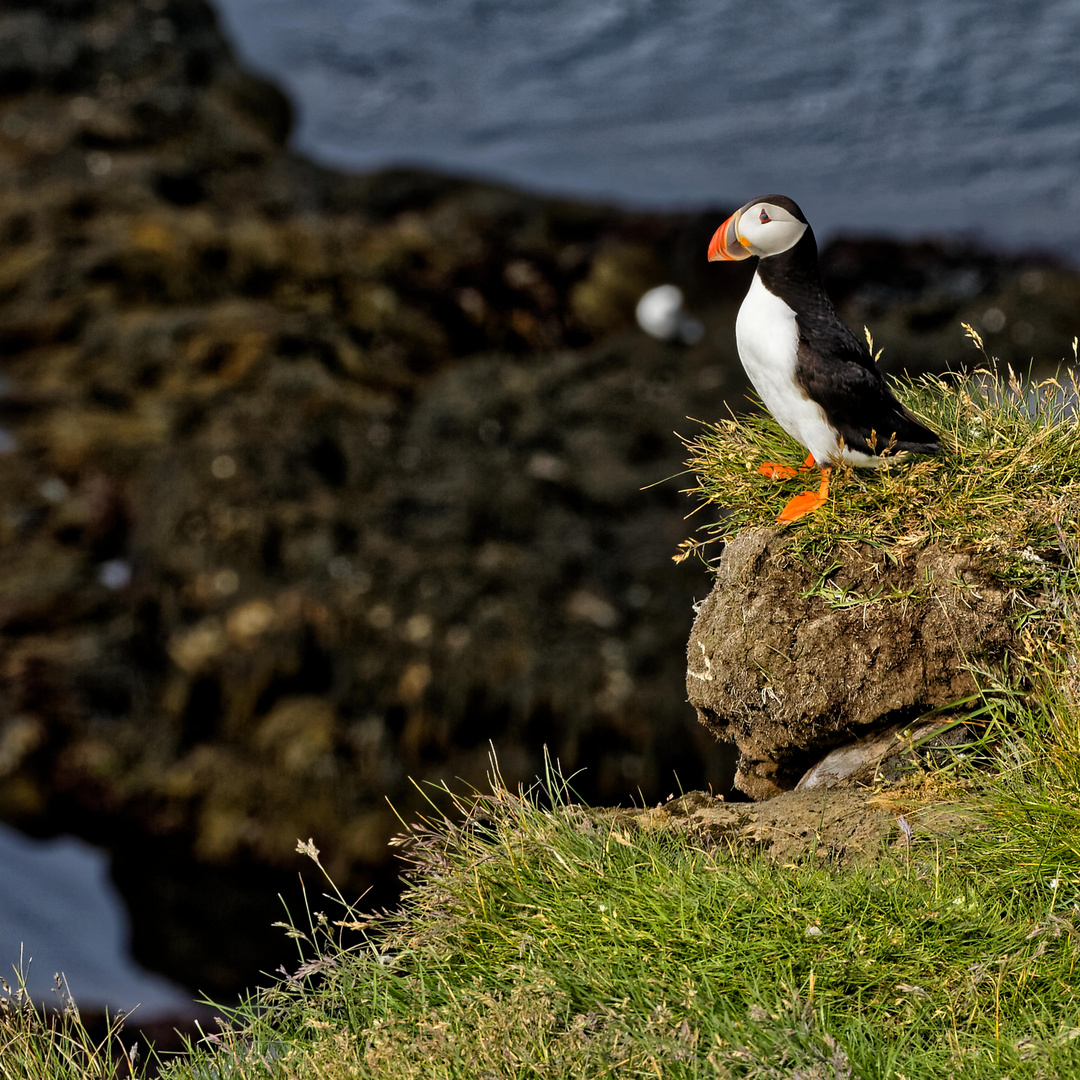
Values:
[(930, 118)]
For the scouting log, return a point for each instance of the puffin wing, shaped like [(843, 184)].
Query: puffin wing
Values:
[(836, 370)]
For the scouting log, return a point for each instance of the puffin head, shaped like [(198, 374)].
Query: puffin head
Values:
[(763, 227)]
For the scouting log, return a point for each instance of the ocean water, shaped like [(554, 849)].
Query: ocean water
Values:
[(935, 118), (61, 915)]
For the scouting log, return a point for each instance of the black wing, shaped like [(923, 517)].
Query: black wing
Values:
[(837, 371)]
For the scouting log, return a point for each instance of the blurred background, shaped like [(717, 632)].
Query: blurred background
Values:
[(333, 457)]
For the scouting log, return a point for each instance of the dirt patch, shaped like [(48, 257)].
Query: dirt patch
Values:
[(788, 662), (843, 825)]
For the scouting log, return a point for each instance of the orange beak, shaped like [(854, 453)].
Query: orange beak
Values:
[(726, 242)]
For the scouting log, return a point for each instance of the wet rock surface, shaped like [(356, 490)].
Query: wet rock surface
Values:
[(312, 484), (788, 663)]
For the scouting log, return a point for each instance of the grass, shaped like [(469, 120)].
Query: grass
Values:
[(1008, 483), (36, 1044), (542, 939), (1032, 809), (539, 938)]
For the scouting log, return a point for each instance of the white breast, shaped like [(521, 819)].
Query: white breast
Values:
[(768, 341)]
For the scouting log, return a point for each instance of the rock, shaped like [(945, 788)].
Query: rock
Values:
[(661, 312), (788, 662), (315, 483), (882, 755)]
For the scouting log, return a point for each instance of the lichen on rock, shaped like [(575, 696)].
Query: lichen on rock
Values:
[(788, 661)]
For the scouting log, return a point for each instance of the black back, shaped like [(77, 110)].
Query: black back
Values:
[(833, 367)]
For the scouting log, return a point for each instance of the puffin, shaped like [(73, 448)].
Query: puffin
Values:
[(811, 372)]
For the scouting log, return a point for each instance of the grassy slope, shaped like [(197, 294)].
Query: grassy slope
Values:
[(553, 942), (542, 939)]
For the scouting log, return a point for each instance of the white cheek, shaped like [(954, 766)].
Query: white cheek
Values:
[(772, 237)]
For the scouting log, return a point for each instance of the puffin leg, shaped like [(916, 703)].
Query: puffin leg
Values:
[(807, 502), (775, 471)]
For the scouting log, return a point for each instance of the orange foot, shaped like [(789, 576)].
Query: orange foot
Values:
[(807, 502), (775, 471)]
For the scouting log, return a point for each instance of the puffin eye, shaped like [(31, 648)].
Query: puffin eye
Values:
[(764, 217)]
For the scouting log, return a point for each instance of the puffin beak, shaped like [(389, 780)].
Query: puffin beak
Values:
[(727, 243)]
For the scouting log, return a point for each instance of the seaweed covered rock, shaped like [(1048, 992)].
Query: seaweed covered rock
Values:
[(789, 662)]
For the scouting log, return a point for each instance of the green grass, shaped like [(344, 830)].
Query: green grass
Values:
[(39, 1045), (1007, 484), (543, 939), (1032, 806), (556, 942)]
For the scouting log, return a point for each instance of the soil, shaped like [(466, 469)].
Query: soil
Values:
[(842, 826), (780, 668)]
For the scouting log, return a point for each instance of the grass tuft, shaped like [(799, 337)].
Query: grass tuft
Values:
[(1032, 807), (1007, 483), (540, 939), (37, 1043)]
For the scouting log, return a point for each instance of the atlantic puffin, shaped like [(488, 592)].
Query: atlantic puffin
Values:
[(812, 373)]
